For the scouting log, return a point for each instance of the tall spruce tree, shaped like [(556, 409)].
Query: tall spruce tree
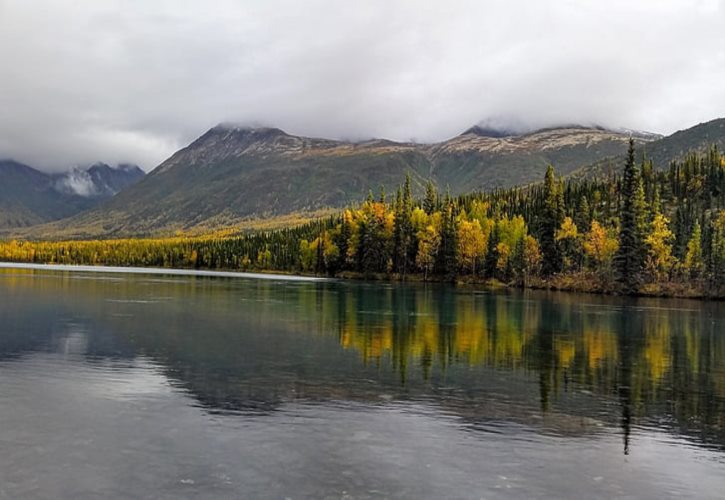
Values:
[(430, 202), (716, 263), (550, 220), (405, 247), (409, 243), (630, 257), (398, 245), (447, 258), (341, 240), (583, 217), (491, 259), (694, 261)]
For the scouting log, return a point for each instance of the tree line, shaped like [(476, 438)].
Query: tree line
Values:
[(644, 230)]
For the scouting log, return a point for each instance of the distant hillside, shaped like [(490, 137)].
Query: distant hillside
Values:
[(667, 149), (235, 173), (29, 197)]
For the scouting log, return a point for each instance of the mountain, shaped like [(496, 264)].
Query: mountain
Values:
[(665, 150), (29, 197), (234, 173)]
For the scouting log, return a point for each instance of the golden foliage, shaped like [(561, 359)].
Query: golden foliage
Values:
[(600, 245)]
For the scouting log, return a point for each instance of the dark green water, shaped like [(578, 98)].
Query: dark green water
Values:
[(151, 386)]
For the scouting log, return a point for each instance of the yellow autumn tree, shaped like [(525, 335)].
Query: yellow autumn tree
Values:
[(659, 247), (570, 242), (600, 246), (504, 254), (418, 219), (510, 231), (471, 244), (532, 255), (307, 255)]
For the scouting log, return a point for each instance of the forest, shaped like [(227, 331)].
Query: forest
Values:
[(642, 231)]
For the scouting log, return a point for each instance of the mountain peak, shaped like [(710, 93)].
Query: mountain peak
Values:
[(260, 132), (492, 132)]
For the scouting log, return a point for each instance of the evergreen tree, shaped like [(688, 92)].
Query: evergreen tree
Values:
[(409, 243), (656, 205), (518, 261), (560, 203), (630, 257), (320, 257), (492, 252), (447, 264), (404, 235), (583, 216), (694, 262), (716, 264), (342, 241), (550, 221), (430, 202), (398, 245)]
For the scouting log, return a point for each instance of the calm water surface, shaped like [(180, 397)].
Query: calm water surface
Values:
[(153, 386)]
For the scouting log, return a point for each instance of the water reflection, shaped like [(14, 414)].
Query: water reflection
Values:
[(564, 364)]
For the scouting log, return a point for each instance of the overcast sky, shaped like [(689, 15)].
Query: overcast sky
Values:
[(125, 80)]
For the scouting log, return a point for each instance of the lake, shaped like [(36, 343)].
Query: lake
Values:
[(163, 386)]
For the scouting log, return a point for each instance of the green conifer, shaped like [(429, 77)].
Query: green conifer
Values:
[(630, 257)]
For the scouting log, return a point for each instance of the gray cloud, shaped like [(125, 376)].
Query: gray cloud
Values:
[(132, 80)]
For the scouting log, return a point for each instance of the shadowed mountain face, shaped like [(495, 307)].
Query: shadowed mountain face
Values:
[(234, 173), (29, 197)]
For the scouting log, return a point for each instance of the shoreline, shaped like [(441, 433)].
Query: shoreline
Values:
[(559, 283), (173, 271), (562, 283)]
